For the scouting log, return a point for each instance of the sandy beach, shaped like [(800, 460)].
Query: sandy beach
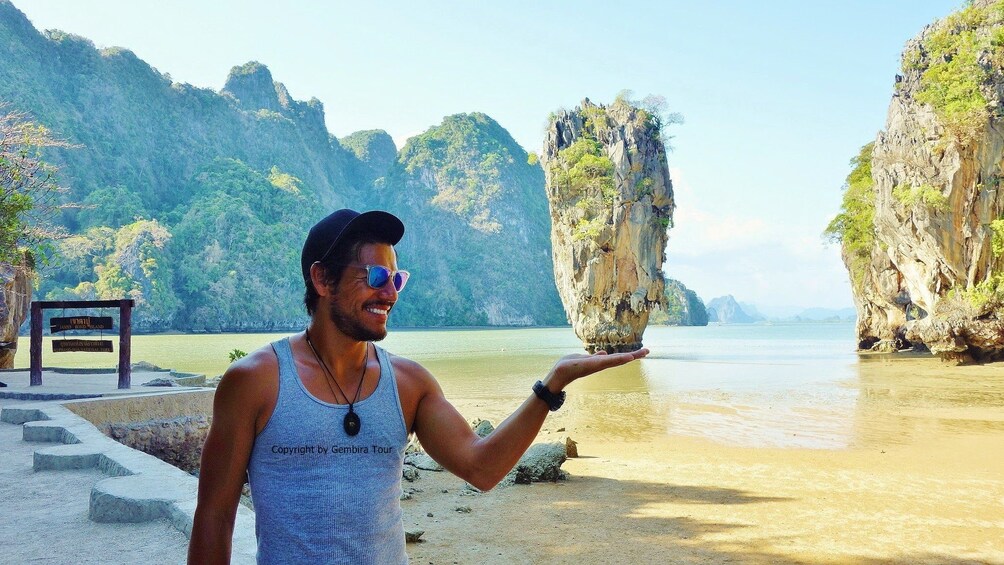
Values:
[(725, 451), (922, 482)]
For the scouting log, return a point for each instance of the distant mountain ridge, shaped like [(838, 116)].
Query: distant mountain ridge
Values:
[(726, 310), (197, 201), (752, 313)]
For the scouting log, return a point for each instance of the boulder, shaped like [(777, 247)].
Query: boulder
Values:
[(146, 367), (160, 381), (422, 461), (482, 427), (542, 462), (410, 473), (571, 448)]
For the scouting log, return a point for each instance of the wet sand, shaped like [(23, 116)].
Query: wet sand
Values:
[(911, 471)]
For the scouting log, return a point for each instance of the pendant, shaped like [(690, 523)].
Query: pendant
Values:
[(351, 423)]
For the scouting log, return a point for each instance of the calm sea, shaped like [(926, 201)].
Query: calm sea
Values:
[(778, 385)]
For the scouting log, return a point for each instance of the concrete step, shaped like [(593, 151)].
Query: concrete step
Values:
[(138, 498), (68, 456)]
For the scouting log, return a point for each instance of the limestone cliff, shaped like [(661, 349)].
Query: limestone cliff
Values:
[(682, 307), (611, 203), (933, 273), (15, 299)]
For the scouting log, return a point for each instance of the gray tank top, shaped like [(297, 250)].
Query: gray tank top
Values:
[(320, 495)]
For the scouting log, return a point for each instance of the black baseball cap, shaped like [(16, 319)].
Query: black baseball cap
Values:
[(326, 234)]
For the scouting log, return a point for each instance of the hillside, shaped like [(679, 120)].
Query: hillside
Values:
[(194, 202)]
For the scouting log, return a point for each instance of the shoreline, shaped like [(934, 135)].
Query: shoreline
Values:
[(920, 480)]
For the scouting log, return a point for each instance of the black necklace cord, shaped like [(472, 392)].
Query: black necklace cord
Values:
[(330, 377)]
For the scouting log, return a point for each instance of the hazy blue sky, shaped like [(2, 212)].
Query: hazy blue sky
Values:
[(777, 96)]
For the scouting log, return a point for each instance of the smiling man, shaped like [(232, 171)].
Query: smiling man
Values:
[(318, 421)]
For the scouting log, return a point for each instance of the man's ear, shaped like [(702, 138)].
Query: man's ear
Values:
[(318, 277)]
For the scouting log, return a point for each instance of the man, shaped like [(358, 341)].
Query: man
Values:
[(318, 422)]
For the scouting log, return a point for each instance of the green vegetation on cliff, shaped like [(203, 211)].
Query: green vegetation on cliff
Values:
[(224, 265), (854, 226), (988, 295), (929, 196), (478, 230), (682, 307), (465, 157), (195, 202), (956, 60), (586, 175), (130, 262)]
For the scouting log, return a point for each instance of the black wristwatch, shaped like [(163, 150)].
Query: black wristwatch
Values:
[(553, 401)]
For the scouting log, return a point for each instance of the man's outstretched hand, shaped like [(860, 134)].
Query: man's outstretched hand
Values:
[(578, 365)]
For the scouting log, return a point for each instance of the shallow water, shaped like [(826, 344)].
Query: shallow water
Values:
[(780, 385)]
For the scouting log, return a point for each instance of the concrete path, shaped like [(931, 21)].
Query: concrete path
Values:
[(68, 384), (44, 515)]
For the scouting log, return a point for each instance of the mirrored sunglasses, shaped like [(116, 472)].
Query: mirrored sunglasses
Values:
[(378, 275)]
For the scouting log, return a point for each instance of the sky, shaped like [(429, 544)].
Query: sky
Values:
[(776, 96)]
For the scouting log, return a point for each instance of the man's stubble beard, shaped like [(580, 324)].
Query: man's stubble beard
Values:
[(351, 326)]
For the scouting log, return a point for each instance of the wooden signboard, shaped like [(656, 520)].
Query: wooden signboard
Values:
[(80, 323), (90, 345)]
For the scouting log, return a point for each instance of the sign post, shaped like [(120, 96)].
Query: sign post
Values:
[(82, 323)]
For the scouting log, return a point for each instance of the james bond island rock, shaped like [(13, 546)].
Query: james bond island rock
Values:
[(611, 202), (15, 301), (922, 225)]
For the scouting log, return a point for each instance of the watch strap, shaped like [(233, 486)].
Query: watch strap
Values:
[(553, 401)]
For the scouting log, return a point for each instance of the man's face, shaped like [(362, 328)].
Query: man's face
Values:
[(357, 310)]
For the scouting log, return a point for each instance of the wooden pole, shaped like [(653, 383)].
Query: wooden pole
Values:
[(125, 335), (35, 348)]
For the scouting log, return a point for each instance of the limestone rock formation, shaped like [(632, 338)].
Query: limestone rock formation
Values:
[(255, 90), (611, 203), (726, 310), (935, 273), (682, 307), (15, 301)]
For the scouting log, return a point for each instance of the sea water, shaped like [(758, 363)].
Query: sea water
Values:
[(799, 385)]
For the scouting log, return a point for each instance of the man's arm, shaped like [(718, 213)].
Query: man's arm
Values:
[(484, 462), (236, 408)]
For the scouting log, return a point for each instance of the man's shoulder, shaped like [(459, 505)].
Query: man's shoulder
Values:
[(414, 383), (410, 371), (405, 365), (257, 372)]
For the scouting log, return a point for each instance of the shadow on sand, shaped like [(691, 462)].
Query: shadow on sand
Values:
[(645, 530)]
